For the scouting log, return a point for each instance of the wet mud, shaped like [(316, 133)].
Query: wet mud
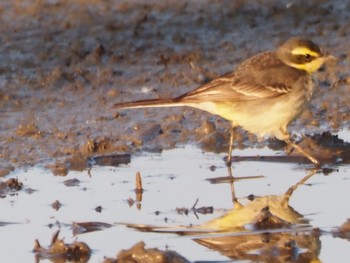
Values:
[(58, 251), (65, 63), (138, 253)]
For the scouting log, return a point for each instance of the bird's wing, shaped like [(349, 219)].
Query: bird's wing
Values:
[(232, 88)]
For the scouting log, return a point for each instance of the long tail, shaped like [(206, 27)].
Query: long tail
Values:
[(149, 104)]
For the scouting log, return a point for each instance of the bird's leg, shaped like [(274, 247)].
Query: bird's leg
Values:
[(229, 168), (236, 203), (230, 148), (299, 149)]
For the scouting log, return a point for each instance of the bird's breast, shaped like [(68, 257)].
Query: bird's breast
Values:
[(265, 116)]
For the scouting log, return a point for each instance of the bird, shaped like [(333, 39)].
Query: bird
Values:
[(263, 94)]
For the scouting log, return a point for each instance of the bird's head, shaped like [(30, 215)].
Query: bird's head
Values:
[(302, 54)]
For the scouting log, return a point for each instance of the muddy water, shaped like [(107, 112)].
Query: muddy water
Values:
[(317, 207)]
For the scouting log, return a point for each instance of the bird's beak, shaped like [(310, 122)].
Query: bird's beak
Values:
[(329, 58)]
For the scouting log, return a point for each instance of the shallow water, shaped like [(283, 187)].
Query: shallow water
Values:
[(172, 179)]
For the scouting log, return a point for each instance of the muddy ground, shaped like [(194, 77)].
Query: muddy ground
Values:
[(65, 63)]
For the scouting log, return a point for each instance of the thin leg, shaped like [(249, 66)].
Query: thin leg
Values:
[(235, 202), (230, 148), (299, 149)]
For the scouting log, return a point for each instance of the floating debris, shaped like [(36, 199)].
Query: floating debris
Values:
[(343, 231), (86, 227), (111, 160), (56, 205), (10, 186), (139, 254), (201, 210), (58, 250), (72, 182)]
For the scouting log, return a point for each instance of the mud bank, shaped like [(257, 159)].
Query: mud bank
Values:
[(65, 63)]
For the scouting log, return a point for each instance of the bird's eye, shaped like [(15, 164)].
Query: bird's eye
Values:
[(307, 57)]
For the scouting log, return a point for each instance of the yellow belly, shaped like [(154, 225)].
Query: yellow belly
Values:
[(261, 117)]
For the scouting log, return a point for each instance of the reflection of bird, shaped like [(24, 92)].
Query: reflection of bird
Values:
[(263, 95), (265, 229)]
